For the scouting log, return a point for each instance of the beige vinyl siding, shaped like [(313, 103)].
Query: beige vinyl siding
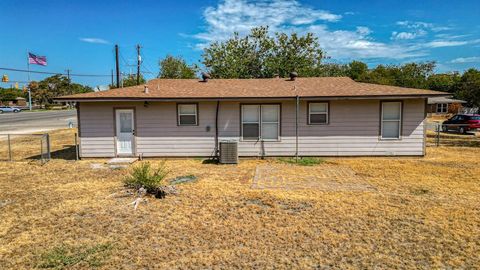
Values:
[(96, 134), (353, 130)]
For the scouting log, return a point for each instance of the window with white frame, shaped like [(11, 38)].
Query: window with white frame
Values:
[(187, 114), (261, 122), (317, 113), (391, 123), (442, 107)]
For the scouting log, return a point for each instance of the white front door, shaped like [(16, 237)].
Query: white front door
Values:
[(125, 131)]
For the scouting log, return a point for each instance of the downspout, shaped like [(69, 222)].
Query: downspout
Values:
[(216, 130), (297, 105)]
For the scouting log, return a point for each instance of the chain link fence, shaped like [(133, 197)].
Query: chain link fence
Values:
[(455, 135), (62, 144), (16, 147)]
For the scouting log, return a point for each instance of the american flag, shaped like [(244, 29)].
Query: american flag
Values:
[(37, 60)]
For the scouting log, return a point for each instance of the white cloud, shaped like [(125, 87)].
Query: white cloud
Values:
[(364, 30), (94, 40), (460, 60), (242, 15), (350, 44), (445, 43), (289, 16), (408, 35), (415, 30)]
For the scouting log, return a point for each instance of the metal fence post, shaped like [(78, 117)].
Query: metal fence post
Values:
[(438, 136), (76, 147), (9, 148), (41, 148), (48, 147)]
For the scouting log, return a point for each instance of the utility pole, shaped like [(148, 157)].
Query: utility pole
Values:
[(117, 67), (112, 78), (69, 82), (68, 73), (139, 61)]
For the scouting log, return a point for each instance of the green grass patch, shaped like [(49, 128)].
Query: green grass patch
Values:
[(183, 179), (63, 257), (304, 161)]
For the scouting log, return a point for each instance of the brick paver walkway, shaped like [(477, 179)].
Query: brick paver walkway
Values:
[(323, 177)]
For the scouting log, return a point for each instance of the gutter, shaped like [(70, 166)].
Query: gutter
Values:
[(105, 99)]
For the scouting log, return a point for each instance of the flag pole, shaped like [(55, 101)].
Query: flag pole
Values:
[(29, 92)]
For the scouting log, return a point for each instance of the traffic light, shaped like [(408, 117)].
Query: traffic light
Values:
[(4, 78)]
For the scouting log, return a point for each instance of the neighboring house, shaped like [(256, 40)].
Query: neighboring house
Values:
[(268, 117), (19, 101), (444, 105)]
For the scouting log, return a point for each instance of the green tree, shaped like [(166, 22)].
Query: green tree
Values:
[(43, 92), (259, 55), (172, 67), (443, 82), (412, 75), (332, 70), (131, 80), (9, 94), (415, 75), (357, 70), (468, 87)]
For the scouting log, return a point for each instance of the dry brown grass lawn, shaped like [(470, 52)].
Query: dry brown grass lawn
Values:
[(424, 213)]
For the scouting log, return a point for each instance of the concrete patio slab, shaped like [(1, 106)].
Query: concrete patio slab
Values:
[(118, 161)]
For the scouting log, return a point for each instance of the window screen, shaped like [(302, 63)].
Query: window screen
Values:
[(317, 113), (391, 120), (260, 122), (187, 114)]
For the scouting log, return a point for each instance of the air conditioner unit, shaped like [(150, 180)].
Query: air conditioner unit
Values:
[(229, 152)]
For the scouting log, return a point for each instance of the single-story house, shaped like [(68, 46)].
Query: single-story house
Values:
[(444, 105), (328, 116), (18, 101)]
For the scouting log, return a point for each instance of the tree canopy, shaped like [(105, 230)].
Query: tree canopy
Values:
[(172, 67), (43, 92), (260, 55), (131, 80), (9, 94)]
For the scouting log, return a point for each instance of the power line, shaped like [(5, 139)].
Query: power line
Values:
[(54, 73)]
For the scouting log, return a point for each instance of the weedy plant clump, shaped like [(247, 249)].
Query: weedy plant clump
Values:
[(146, 177)]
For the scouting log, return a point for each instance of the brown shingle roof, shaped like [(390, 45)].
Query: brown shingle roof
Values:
[(253, 88)]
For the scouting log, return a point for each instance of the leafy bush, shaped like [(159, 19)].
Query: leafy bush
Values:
[(304, 161), (144, 175)]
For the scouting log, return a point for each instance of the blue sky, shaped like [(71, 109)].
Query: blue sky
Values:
[(80, 35)]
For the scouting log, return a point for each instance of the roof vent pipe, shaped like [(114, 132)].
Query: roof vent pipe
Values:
[(145, 89), (293, 75), (205, 76)]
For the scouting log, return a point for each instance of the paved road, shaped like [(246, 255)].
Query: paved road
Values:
[(29, 122)]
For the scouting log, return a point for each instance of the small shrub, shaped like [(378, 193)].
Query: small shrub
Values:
[(147, 177), (304, 161), (63, 257)]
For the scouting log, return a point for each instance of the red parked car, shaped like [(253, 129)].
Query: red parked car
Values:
[(462, 123)]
